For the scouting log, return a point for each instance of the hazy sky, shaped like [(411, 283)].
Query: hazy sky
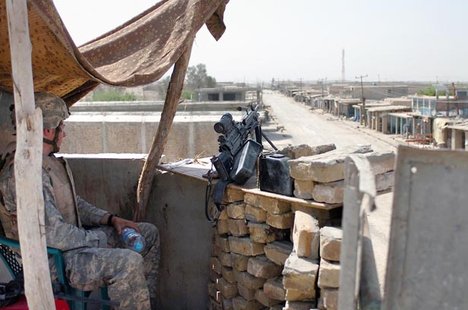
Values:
[(303, 39)]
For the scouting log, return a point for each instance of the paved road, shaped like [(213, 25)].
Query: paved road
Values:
[(301, 125)]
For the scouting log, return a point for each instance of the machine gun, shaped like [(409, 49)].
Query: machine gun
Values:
[(235, 142), (240, 144)]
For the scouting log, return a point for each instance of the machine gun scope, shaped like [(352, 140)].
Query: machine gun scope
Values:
[(225, 124)]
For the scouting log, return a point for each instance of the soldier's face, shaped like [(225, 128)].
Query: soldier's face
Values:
[(50, 134), (62, 134)]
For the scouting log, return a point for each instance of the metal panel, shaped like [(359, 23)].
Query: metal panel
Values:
[(428, 265)]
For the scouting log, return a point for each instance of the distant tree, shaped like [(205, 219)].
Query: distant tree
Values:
[(112, 94), (430, 91), (197, 77), (186, 94)]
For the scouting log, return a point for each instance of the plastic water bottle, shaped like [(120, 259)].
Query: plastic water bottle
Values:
[(132, 239)]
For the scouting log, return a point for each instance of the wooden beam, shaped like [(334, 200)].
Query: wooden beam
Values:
[(174, 90), (28, 163)]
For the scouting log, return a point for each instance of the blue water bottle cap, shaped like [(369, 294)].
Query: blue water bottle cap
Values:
[(138, 246)]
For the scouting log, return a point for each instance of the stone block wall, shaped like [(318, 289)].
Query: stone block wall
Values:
[(320, 176), (329, 273), (265, 252), (251, 245), (276, 252)]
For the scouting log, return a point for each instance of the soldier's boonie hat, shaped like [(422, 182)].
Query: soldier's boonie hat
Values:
[(54, 109)]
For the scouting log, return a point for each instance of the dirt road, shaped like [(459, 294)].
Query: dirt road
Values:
[(303, 126)]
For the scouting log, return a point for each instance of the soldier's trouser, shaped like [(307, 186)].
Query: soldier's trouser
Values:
[(121, 270)]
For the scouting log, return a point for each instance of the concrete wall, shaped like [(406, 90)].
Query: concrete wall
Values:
[(176, 207), (222, 95), (458, 139), (153, 106), (109, 182), (189, 136)]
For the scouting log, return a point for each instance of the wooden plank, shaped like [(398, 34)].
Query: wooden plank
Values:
[(174, 90), (293, 200), (28, 163), (196, 170)]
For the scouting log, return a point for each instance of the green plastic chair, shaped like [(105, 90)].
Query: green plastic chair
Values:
[(76, 299)]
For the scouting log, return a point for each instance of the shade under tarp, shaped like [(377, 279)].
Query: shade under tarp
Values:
[(136, 53)]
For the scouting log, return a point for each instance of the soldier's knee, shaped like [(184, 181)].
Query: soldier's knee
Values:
[(133, 261), (150, 232), (135, 257), (156, 234)]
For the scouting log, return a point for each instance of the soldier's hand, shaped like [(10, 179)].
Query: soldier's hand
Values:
[(120, 223)]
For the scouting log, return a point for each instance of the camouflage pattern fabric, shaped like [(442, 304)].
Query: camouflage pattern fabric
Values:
[(95, 257), (123, 271), (54, 109), (65, 236)]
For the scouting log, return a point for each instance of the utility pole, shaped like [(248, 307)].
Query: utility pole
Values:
[(322, 85), (363, 114)]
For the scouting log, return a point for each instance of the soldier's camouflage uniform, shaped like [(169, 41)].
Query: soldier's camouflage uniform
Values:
[(94, 257)]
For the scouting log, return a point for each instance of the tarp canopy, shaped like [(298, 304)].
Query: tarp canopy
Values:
[(139, 52)]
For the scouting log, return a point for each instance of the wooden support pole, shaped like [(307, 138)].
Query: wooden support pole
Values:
[(174, 90), (28, 163)]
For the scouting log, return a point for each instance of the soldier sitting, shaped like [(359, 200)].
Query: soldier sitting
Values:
[(93, 256)]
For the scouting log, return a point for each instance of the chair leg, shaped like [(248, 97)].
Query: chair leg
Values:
[(78, 305), (105, 296)]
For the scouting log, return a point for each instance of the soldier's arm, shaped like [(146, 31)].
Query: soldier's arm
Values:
[(91, 215)]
